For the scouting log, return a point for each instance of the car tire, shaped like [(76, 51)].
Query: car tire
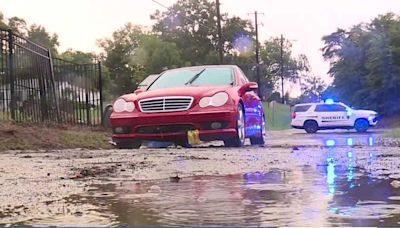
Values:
[(259, 140), (239, 139), (311, 126), (128, 144), (361, 125)]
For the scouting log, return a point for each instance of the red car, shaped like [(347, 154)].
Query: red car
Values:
[(215, 102)]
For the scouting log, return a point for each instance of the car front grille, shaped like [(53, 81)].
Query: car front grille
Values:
[(165, 104), (164, 129)]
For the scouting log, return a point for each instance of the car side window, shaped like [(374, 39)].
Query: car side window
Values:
[(330, 108), (301, 108), (243, 78)]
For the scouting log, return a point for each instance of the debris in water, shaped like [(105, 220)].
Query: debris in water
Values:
[(175, 179), (201, 199), (155, 189), (395, 184)]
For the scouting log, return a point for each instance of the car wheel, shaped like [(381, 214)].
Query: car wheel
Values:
[(240, 137), (361, 125), (310, 126), (128, 144), (259, 140)]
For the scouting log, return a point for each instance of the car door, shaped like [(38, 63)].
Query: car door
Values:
[(331, 115)]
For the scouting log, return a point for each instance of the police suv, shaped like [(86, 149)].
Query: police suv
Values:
[(331, 115)]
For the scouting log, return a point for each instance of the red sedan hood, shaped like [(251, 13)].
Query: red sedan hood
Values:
[(193, 91)]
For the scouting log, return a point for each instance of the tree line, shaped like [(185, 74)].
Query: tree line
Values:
[(365, 59), (185, 34), (365, 64)]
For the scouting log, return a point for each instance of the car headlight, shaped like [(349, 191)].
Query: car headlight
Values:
[(205, 101), (121, 105), (216, 100)]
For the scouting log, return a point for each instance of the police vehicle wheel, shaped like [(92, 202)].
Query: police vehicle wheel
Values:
[(259, 140), (239, 139), (310, 126), (361, 125), (128, 144)]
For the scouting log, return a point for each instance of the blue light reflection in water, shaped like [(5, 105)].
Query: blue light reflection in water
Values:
[(370, 141), (330, 178), (330, 142), (350, 142)]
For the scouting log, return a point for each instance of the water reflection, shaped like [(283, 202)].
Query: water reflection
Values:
[(332, 140), (334, 194)]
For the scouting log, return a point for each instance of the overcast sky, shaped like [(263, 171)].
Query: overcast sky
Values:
[(79, 23)]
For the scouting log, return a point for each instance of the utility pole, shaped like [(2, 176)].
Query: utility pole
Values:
[(281, 69), (257, 56), (220, 41)]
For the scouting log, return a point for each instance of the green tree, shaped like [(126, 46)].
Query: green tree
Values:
[(270, 56), (78, 57), (155, 54), (192, 26), (18, 26), (365, 64), (39, 35), (119, 57), (3, 23), (312, 88)]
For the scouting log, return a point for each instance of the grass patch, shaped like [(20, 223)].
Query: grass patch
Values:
[(394, 133), (41, 136), (77, 139), (278, 116), (94, 115)]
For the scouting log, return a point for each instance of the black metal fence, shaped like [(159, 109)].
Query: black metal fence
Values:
[(34, 87)]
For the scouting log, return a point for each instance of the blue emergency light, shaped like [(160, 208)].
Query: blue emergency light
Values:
[(329, 101)]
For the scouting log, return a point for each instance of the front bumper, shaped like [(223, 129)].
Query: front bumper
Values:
[(174, 125), (373, 121)]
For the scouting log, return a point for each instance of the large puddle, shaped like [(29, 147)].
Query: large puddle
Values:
[(325, 195)]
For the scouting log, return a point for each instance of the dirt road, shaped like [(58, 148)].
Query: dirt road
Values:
[(330, 178)]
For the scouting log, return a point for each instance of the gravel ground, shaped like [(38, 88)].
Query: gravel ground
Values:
[(34, 183)]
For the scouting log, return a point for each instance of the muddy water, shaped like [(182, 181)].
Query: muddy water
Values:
[(325, 195), (327, 179)]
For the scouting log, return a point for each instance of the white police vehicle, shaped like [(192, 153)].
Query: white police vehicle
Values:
[(331, 115)]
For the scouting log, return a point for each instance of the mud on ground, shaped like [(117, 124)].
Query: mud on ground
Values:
[(37, 185)]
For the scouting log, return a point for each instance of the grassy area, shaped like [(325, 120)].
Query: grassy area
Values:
[(394, 133), (40, 136), (278, 116), (94, 115)]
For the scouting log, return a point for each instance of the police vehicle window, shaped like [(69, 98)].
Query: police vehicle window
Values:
[(330, 108), (302, 108)]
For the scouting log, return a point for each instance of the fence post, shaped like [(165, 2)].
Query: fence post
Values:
[(86, 88), (101, 93), (11, 73), (53, 84)]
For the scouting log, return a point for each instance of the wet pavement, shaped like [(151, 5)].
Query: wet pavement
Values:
[(329, 179)]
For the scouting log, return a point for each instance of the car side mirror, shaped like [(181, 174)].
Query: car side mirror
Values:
[(250, 86), (140, 90)]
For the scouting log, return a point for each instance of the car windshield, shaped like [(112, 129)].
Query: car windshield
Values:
[(212, 76)]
